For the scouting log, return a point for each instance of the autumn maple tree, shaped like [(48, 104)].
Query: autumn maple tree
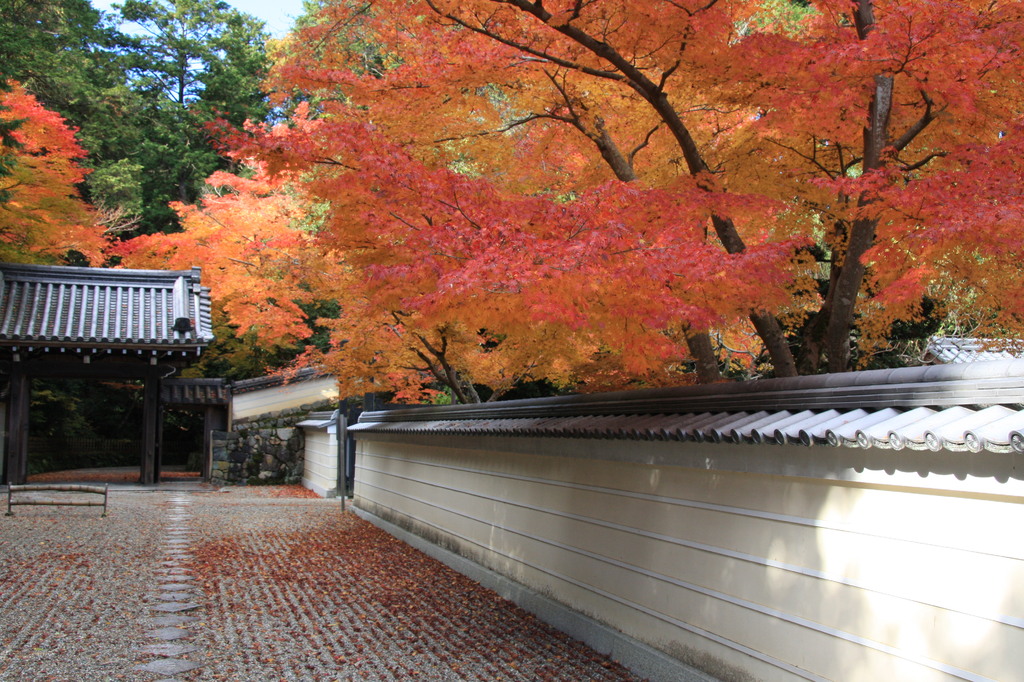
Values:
[(246, 234), (466, 282), (914, 93), (601, 189), (42, 217)]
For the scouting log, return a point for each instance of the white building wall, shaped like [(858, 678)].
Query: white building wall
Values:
[(778, 563), (284, 397), (320, 473)]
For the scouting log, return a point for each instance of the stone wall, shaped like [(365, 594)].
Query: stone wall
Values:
[(262, 450)]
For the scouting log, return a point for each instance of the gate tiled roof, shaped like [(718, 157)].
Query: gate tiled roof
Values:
[(189, 391), (57, 307)]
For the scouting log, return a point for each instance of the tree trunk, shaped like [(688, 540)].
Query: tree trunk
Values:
[(862, 236), (611, 154), (704, 357), (766, 324), (437, 364), (698, 343), (770, 331)]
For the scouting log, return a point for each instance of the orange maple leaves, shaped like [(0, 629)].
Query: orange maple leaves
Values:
[(461, 277), (246, 235)]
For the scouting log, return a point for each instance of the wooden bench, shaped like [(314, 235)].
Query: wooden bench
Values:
[(71, 502)]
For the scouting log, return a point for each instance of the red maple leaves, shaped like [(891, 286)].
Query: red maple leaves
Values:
[(584, 192), (43, 217)]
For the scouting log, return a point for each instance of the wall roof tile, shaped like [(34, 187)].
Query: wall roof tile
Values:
[(966, 407)]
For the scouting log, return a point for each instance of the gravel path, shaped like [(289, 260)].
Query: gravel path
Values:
[(287, 588), (73, 587)]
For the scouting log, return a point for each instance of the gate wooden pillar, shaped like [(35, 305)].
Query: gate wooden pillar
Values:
[(16, 438), (215, 418), (150, 471)]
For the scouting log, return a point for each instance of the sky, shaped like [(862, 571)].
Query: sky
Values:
[(279, 15)]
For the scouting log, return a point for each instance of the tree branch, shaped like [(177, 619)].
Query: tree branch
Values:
[(484, 31), (923, 162), (498, 131), (913, 131), (646, 141), (812, 159)]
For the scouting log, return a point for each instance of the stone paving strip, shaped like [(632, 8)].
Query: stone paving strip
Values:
[(176, 595), (253, 584)]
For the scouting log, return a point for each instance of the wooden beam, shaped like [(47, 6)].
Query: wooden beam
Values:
[(62, 367)]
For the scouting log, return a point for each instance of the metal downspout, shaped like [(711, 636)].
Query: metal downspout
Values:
[(339, 434)]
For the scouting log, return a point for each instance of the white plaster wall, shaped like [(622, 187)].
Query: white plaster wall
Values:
[(778, 563), (320, 472), (283, 398)]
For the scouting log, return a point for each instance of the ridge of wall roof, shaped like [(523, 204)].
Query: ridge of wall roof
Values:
[(972, 407), (280, 379), (960, 349), (319, 420), (980, 384)]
